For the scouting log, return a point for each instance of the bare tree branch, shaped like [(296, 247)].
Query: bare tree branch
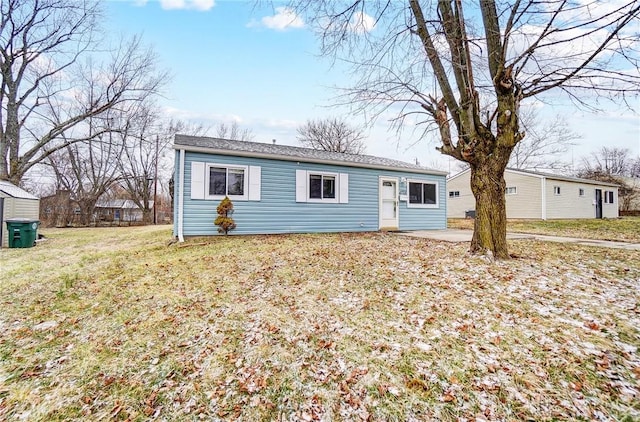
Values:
[(234, 131), (331, 134), (47, 91), (429, 63)]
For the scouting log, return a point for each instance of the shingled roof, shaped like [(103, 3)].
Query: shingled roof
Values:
[(566, 178), (291, 153)]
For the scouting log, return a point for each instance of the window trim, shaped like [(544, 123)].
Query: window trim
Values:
[(424, 182), (515, 190), (556, 190), (454, 194), (336, 178), (608, 197), (302, 187), (581, 192), (207, 176)]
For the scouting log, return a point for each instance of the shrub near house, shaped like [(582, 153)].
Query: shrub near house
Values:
[(224, 221)]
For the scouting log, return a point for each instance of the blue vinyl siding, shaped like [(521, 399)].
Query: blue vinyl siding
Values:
[(425, 218), (278, 211)]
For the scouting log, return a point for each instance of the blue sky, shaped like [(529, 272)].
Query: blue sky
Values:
[(233, 61)]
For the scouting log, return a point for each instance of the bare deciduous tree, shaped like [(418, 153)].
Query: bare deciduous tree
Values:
[(613, 165), (635, 168), (546, 145), (611, 161), (332, 134), (463, 68), (88, 168), (544, 148), (234, 131), (141, 163), (51, 86)]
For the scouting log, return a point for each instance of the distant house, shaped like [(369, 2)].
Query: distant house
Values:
[(536, 195), (59, 210), (286, 189), (15, 202), (120, 210)]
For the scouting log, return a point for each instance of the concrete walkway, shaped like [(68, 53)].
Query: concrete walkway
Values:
[(457, 235)]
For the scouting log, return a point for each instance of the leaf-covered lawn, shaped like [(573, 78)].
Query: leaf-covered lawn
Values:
[(625, 229), (114, 324)]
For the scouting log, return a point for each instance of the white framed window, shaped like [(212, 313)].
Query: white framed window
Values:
[(422, 194), (322, 187), (454, 194), (213, 181), (511, 190), (556, 190), (224, 180), (608, 197), (580, 192)]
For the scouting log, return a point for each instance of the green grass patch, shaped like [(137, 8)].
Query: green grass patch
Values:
[(624, 229)]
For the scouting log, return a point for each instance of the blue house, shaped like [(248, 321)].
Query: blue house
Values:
[(286, 189)]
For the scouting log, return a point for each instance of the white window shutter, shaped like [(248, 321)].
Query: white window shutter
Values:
[(255, 177), (344, 188), (301, 186), (197, 180)]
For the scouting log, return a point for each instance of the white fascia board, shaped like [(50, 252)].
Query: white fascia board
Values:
[(455, 176), (524, 173)]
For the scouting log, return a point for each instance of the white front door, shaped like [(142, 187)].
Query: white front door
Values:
[(388, 191)]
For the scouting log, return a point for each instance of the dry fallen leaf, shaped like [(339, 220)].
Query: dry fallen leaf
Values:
[(592, 325), (447, 398)]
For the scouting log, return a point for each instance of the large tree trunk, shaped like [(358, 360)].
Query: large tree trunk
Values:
[(147, 216), (87, 207), (490, 225), (11, 138)]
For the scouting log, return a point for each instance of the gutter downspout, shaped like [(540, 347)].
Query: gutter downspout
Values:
[(544, 197), (181, 196)]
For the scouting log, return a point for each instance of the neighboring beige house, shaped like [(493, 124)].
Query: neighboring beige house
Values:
[(535, 195), (15, 202)]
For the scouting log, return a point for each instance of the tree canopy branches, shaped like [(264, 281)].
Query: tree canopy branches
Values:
[(461, 69), (54, 78), (331, 134)]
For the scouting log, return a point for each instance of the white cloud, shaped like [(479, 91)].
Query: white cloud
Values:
[(201, 5), (361, 23), (139, 3), (285, 18), (282, 124)]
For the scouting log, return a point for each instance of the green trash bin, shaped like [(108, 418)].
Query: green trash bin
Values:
[(22, 232)]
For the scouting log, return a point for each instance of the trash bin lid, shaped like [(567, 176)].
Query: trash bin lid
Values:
[(21, 220)]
